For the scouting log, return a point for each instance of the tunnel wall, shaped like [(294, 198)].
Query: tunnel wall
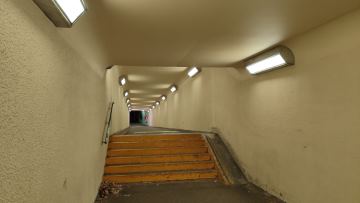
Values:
[(52, 112), (114, 93), (295, 131)]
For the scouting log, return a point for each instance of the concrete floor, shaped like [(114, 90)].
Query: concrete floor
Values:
[(187, 192)]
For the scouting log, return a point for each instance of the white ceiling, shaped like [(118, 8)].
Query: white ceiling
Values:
[(183, 33)]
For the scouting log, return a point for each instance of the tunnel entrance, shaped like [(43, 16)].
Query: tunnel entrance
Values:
[(139, 118)]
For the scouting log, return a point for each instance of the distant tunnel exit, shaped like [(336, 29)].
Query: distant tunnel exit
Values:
[(139, 118)]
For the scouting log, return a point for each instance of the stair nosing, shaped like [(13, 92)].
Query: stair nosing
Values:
[(165, 172)]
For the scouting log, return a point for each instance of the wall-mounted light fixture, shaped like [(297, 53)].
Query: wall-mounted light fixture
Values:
[(275, 58), (163, 97), (126, 93), (63, 13), (173, 88), (193, 71), (122, 80)]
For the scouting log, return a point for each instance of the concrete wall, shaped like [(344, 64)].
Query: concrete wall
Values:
[(52, 112), (114, 93), (295, 131)]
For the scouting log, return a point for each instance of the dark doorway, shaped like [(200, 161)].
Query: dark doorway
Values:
[(139, 118)]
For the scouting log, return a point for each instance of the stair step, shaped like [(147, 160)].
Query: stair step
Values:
[(157, 144), (157, 151), (140, 138), (160, 177), (157, 159), (159, 167)]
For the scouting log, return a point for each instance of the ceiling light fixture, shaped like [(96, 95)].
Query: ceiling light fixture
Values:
[(63, 13), (128, 100), (153, 107), (276, 58), (122, 80), (129, 105), (173, 88), (157, 103), (193, 71), (163, 97), (126, 93)]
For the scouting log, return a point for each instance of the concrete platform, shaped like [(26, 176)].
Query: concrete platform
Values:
[(190, 192)]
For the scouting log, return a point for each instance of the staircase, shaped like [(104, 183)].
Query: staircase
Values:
[(159, 158)]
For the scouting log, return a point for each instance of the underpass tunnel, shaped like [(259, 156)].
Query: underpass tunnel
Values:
[(159, 101)]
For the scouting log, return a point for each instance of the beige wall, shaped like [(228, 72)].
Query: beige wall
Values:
[(114, 92), (52, 112), (295, 131)]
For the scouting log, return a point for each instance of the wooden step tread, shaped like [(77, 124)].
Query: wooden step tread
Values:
[(126, 138), (144, 139), (120, 169), (160, 177), (157, 159), (156, 151), (158, 144)]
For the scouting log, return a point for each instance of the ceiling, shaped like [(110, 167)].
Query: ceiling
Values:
[(147, 84), (144, 35), (192, 32)]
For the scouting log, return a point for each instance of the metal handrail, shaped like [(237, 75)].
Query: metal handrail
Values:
[(108, 124)]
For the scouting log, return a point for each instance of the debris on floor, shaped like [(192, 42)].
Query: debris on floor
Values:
[(108, 189)]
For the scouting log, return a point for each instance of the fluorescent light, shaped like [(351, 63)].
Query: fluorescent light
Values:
[(157, 103), (122, 80), (193, 71), (71, 8), (163, 97), (173, 88), (275, 58), (266, 64), (63, 13), (126, 93)]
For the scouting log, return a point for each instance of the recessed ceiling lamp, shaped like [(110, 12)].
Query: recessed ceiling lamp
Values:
[(163, 97), (63, 13), (128, 100), (275, 58), (173, 88), (122, 80), (126, 93), (157, 103), (193, 71), (129, 105), (153, 107)]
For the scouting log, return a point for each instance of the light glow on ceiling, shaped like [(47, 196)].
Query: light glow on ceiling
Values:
[(72, 8)]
